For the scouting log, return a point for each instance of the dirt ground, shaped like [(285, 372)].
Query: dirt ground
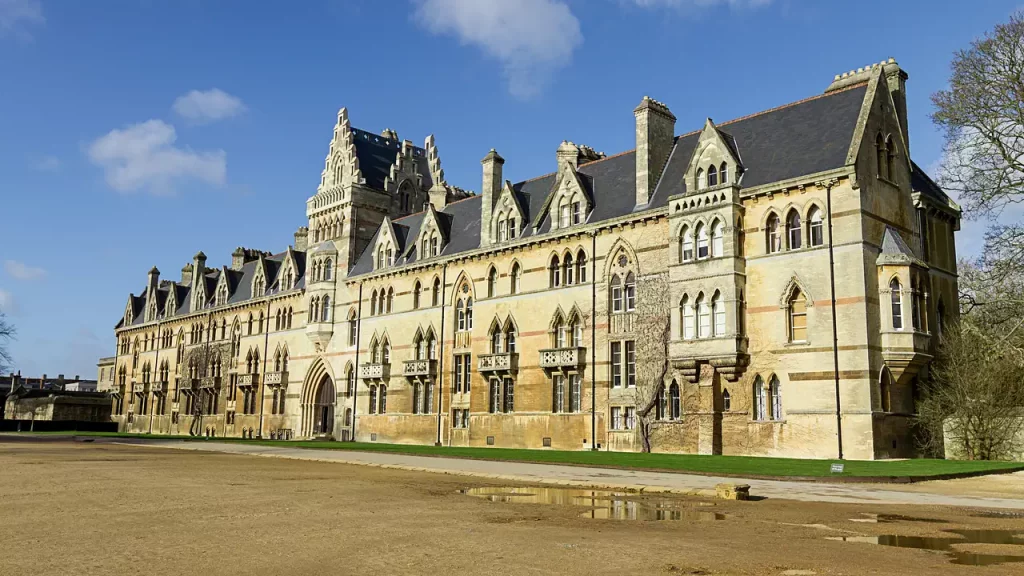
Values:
[(102, 508)]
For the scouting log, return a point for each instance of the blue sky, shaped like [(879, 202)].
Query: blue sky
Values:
[(134, 134)]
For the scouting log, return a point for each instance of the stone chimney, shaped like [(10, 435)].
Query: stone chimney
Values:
[(568, 153), (186, 275), (438, 194), (154, 278), (655, 134), (302, 239), (492, 164), (897, 80), (238, 259), (198, 269)]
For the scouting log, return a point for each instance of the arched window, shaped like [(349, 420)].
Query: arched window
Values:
[(350, 381), (373, 302), (555, 272), (492, 283), (890, 158), (629, 291), (797, 317), (460, 315), (416, 295), (700, 178), (328, 266), (496, 339), (373, 399), (325, 312), (558, 332), (435, 293), (510, 338), (773, 238), (383, 407), (469, 313), (616, 293), (712, 176), (581, 267), (390, 257), (717, 238), (352, 328), (417, 392), (516, 277), (386, 352), (885, 390), (880, 153), (723, 173), (718, 313), (511, 227), (563, 214), (260, 325), (915, 305), (760, 402), (687, 318), (674, 402), (703, 317), (702, 241), (815, 232), (390, 300), (568, 271), (502, 229), (896, 297), (793, 230), (685, 245), (775, 395), (576, 331), (726, 400)]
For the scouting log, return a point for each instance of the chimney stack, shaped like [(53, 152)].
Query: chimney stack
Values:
[(568, 153), (896, 78), (154, 278), (237, 259), (492, 164), (302, 239), (186, 275), (655, 135)]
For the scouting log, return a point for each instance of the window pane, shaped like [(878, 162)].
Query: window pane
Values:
[(630, 363), (616, 364)]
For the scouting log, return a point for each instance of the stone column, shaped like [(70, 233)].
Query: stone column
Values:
[(709, 418)]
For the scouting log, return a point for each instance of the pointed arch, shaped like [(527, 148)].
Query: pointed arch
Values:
[(621, 247)]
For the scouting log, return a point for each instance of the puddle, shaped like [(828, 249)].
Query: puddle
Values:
[(603, 504), (869, 518), (946, 544)]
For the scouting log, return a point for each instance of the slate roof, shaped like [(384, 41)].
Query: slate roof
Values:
[(376, 154), (921, 182), (894, 249), (805, 137)]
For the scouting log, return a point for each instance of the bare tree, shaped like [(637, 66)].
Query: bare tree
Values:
[(6, 334), (974, 401), (652, 328)]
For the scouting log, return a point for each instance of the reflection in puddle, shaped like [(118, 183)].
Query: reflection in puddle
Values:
[(603, 504), (945, 544), (869, 518)]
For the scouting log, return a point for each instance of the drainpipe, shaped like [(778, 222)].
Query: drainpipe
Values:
[(259, 390), (593, 340), (835, 329), (355, 368), (157, 364), (117, 351), (440, 358)]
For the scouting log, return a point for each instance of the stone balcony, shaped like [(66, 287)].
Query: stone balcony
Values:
[(559, 358), (503, 362), (727, 354), (138, 387), (419, 368), (374, 371), (247, 379), (210, 382), (905, 351), (276, 378)]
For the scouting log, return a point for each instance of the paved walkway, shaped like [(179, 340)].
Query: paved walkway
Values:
[(612, 478)]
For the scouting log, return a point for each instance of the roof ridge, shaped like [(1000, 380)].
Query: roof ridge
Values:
[(784, 106)]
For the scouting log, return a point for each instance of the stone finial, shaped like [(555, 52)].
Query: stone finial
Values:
[(199, 256), (154, 270), (389, 134)]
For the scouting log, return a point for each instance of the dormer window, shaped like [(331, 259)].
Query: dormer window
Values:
[(563, 216), (511, 228), (222, 295), (700, 178), (259, 286), (712, 176), (577, 213), (723, 173)]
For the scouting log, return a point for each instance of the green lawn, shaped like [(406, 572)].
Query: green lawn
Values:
[(728, 465)]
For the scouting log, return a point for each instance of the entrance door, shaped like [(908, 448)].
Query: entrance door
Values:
[(324, 407)]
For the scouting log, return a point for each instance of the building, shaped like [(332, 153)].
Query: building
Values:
[(55, 404), (411, 311)]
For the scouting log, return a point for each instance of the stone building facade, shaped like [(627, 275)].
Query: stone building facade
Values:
[(790, 242)]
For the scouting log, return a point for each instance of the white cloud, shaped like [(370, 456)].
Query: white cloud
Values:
[(700, 3), (16, 13), (22, 271), (143, 156), (7, 304), (46, 163), (208, 106), (531, 38)]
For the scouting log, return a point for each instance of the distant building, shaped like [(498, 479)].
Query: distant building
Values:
[(44, 399)]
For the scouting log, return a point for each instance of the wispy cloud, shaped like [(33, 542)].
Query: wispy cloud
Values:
[(143, 157), (46, 163), (18, 15), (7, 303), (22, 271), (209, 106), (532, 39)]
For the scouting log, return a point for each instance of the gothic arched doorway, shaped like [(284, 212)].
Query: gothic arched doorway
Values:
[(323, 407)]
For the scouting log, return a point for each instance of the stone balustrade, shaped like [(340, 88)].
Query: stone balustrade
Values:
[(275, 378), (570, 357), (247, 379), (419, 368), (502, 362), (374, 371)]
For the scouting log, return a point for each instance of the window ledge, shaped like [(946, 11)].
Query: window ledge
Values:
[(755, 421), (800, 344)]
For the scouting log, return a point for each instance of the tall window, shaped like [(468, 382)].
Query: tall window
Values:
[(723, 173), (563, 216), (581, 267), (417, 287), (461, 373), (390, 300), (630, 364), (494, 396), (815, 232), (492, 283), (674, 403), (775, 395), (686, 314), (557, 393), (616, 364), (511, 224), (352, 328), (885, 390), (575, 398), (629, 291), (760, 404), (516, 278), (685, 245), (325, 312), (616, 418), (896, 298), (915, 305), (797, 317), (793, 230), (773, 237), (700, 178), (568, 272), (702, 241), (718, 312), (616, 289), (329, 267), (718, 237), (555, 272), (703, 317), (510, 396), (712, 176), (435, 293), (502, 230)]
